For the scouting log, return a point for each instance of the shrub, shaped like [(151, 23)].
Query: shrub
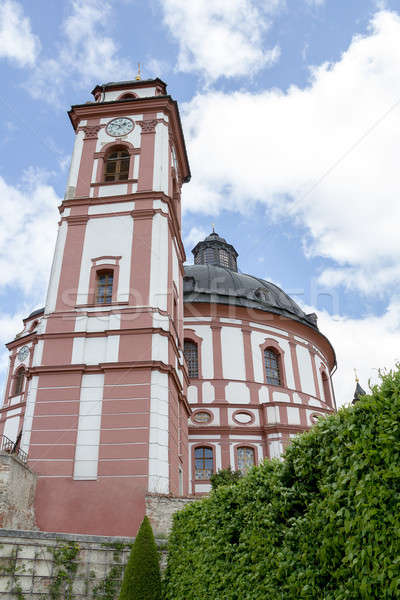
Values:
[(142, 573), (224, 477), (324, 523)]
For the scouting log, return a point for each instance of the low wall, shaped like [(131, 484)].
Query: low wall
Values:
[(17, 493), (35, 564)]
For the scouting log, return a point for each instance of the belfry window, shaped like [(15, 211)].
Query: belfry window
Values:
[(272, 367), (245, 457), (117, 165), (191, 354), (19, 382), (224, 258), (104, 287), (204, 462)]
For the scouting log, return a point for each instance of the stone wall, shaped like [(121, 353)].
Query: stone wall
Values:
[(32, 563), (17, 493), (160, 510)]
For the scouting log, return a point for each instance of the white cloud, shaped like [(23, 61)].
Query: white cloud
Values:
[(195, 235), (223, 37), (85, 53), (28, 229), (326, 156), (366, 344), (17, 42), (315, 2)]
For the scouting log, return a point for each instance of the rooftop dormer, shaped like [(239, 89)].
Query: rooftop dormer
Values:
[(129, 90)]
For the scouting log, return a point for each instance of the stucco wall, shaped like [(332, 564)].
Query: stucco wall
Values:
[(17, 494), (160, 509)]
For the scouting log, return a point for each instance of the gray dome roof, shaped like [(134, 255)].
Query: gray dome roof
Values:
[(220, 285)]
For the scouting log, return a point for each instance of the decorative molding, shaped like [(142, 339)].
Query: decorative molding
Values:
[(148, 126), (91, 131)]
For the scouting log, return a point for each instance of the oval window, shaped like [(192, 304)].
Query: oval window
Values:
[(314, 418), (243, 417), (202, 417)]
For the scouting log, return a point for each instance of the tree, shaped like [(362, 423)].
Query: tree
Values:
[(142, 579), (224, 477)]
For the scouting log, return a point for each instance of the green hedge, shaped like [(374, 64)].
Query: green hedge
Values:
[(323, 524)]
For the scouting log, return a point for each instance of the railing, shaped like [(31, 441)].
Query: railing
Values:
[(7, 445)]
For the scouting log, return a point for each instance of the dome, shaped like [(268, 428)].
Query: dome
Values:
[(220, 285)]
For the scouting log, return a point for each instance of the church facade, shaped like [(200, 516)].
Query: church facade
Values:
[(142, 375)]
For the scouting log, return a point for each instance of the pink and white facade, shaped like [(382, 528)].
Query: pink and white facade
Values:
[(98, 391)]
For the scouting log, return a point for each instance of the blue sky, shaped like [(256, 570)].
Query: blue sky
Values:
[(291, 112)]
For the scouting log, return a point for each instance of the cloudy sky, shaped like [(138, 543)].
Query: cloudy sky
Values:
[(291, 111)]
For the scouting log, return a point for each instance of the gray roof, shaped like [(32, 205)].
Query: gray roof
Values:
[(39, 311), (220, 285)]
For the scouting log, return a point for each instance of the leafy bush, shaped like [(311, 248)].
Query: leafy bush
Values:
[(224, 477), (322, 524), (142, 573)]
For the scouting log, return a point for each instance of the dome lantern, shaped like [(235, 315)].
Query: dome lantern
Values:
[(214, 250)]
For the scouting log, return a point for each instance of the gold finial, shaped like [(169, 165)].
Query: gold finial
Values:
[(213, 226), (138, 76), (356, 376)]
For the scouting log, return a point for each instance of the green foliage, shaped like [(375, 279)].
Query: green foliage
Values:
[(224, 477), (10, 569), (322, 524), (142, 573), (107, 588), (65, 561)]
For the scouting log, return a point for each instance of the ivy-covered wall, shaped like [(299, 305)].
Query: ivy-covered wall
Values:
[(56, 566)]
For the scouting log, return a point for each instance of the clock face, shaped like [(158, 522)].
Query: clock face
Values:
[(23, 353), (119, 127)]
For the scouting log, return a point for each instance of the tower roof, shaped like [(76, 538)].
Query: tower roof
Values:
[(215, 250), (358, 393)]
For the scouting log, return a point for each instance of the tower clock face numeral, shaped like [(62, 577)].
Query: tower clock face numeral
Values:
[(118, 127)]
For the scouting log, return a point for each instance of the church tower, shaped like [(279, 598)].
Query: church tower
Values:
[(97, 381)]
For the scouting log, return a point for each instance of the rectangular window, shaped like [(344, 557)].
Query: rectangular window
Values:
[(104, 287), (203, 463)]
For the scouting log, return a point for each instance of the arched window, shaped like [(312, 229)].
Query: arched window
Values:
[(245, 458), (104, 287), (19, 381), (204, 460), (327, 389), (192, 359), (117, 165), (127, 96), (272, 370)]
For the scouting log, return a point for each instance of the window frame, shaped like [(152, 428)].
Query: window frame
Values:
[(190, 336), (326, 387), (19, 382), (213, 470), (116, 149), (102, 158), (245, 445), (271, 344), (188, 341), (106, 265)]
